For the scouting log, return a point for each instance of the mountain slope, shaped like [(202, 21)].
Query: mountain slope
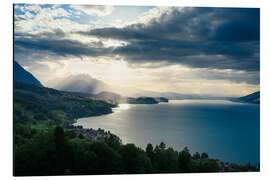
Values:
[(251, 98), (39, 105), (21, 75)]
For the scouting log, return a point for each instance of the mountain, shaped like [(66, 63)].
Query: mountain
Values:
[(21, 75), (109, 97), (251, 98)]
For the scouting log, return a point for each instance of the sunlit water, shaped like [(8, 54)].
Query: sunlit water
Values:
[(226, 130)]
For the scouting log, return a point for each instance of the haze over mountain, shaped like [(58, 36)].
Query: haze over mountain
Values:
[(109, 96), (83, 83), (21, 75)]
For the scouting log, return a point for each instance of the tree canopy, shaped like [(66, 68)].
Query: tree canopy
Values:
[(58, 151)]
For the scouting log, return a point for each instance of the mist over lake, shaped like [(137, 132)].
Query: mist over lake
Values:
[(225, 130)]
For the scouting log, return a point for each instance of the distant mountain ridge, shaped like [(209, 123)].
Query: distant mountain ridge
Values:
[(117, 99), (179, 96), (21, 75), (251, 98)]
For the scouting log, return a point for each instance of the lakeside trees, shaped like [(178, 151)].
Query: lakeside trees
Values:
[(56, 151)]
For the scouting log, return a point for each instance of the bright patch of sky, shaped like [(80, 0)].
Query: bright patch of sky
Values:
[(113, 16)]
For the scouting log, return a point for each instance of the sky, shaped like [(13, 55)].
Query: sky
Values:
[(131, 49)]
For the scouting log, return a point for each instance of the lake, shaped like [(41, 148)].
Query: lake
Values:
[(225, 130)]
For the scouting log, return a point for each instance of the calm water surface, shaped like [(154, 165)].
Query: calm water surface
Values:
[(225, 130)]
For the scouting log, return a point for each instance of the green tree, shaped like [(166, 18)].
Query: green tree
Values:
[(62, 159), (109, 161), (209, 165), (162, 146), (150, 151), (157, 149), (36, 156), (135, 160), (113, 141), (204, 156), (184, 158), (84, 159), (165, 161), (196, 156)]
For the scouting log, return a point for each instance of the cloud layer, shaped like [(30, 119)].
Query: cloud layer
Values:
[(97, 10), (160, 48), (220, 38)]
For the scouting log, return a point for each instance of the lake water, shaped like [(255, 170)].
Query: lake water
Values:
[(225, 130)]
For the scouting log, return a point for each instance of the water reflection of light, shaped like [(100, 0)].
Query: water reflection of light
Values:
[(123, 106)]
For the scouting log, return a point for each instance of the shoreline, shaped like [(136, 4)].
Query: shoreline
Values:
[(101, 134), (75, 120), (97, 122)]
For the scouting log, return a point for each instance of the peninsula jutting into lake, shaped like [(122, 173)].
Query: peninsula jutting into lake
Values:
[(135, 90)]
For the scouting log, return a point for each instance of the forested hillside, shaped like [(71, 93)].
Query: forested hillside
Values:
[(46, 106)]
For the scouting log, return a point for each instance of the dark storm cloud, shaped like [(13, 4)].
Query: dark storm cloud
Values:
[(222, 38), (248, 77), (215, 38), (55, 43)]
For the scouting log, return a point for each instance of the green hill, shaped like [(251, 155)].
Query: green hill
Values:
[(46, 106)]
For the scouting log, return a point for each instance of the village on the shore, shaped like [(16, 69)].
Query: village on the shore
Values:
[(92, 134)]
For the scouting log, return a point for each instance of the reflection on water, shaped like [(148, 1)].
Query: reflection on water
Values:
[(123, 106), (224, 129)]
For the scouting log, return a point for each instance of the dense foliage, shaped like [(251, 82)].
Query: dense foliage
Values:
[(56, 151), (45, 106)]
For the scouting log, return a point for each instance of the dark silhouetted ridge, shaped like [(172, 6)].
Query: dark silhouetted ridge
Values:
[(21, 75)]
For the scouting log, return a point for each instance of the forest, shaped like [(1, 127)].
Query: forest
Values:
[(59, 151)]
